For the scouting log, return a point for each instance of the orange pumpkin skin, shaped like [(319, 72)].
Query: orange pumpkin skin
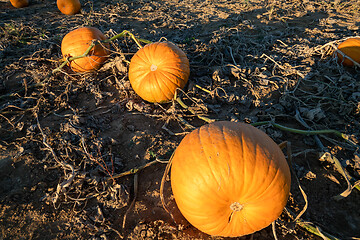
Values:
[(229, 179), (157, 70), (69, 7), (76, 42), (351, 48), (19, 3)]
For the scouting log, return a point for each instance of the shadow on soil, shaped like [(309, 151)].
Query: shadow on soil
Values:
[(251, 61)]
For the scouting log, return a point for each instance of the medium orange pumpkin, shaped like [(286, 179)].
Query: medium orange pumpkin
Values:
[(229, 179), (351, 48), (76, 42), (157, 70), (69, 7), (19, 3)]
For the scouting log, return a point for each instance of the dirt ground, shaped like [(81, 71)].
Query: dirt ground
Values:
[(71, 144)]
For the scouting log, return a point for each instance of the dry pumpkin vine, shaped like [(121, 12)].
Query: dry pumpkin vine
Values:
[(215, 146), (95, 44)]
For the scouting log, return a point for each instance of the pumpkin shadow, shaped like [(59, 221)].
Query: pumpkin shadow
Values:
[(5, 5), (249, 60)]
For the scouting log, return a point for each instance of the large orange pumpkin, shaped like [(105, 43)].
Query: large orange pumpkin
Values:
[(229, 179), (351, 48), (69, 7), (76, 42), (19, 3), (157, 70)]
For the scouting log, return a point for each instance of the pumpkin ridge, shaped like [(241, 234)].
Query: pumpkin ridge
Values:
[(165, 58), (242, 143), (147, 55), (170, 66), (158, 48), (178, 80), (141, 65), (178, 75), (206, 155), (247, 224), (227, 150), (275, 176), (151, 83), (144, 58), (253, 179), (273, 180), (178, 57), (164, 83), (74, 43), (92, 60), (170, 80), (173, 59), (260, 193), (144, 79), (160, 82)]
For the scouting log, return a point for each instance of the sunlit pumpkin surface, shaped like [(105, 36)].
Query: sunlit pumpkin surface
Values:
[(229, 179), (351, 48), (76, 42), (157, 70), (69, 7), (19, 3)]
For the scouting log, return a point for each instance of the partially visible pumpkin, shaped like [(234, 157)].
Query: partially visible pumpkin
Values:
[(19, 3), (229, 179), (351, 48), (157, 70), (76, 42), (69, 7)]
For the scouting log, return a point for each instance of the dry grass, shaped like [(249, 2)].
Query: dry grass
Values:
[(253, 61)]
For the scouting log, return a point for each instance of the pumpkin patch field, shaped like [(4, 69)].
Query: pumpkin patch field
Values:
[(180, 119)]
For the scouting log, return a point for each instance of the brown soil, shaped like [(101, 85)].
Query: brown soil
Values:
[(64, 135)]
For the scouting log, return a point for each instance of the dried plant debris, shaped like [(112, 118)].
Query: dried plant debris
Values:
[(82, 156)]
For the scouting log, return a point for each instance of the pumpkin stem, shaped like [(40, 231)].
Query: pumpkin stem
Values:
[(153, 67), (236, 207)]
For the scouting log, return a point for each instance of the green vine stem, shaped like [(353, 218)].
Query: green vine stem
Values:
[(126, 32), (183, 105), (94, 42), (133, 170), (307, 132), (316, 132), (309, 226), (315, 230)]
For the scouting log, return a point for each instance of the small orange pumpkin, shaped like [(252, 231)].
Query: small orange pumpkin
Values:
[(157, 70), (69, 7), (229, 179), (19, 3), (351, 48), (76, 42)]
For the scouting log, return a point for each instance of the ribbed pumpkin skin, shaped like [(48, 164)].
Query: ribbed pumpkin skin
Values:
[(351, 48), (69, 7), (76, 42), (157, 70), (227, 164), (19, 3)]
